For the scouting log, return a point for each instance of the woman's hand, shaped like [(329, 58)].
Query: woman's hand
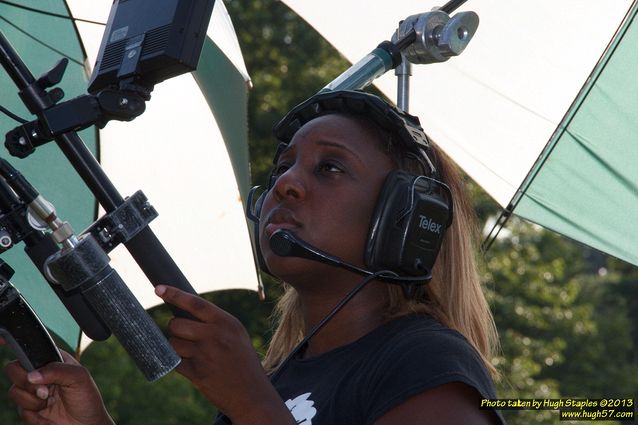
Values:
[(57, 394), (218, 357)]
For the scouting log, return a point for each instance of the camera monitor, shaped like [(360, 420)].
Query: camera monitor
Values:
[(148, 41)]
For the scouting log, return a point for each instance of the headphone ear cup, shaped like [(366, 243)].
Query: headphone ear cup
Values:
[(407, 226), (257, 249), (378, 222)]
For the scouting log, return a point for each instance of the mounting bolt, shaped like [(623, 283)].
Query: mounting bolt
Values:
[(5, 239)]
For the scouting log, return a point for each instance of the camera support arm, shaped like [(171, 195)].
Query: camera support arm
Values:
[(73, 115), (424, 38), (81, 268), (146, 249)]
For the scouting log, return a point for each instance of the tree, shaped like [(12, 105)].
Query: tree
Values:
[(288, 62)]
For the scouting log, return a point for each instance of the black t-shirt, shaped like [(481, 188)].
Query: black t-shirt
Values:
[(357, 383)]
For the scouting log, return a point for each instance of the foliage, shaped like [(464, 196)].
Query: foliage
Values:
[(8, 412), (287, 61), (565, 332), (565, 313), (132, 400)]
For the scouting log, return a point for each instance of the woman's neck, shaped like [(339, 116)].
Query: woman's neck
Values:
[(362, 314)]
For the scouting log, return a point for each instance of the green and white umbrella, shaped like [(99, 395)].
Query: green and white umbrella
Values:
[(541, 109), (188, 152)]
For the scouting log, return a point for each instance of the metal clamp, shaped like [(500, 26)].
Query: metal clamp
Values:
[(13, 227), (122, 224), (438, 36)]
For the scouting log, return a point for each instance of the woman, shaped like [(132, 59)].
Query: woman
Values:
[(395, 352)]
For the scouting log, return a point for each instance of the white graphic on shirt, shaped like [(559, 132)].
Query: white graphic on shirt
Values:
[(301, 409)]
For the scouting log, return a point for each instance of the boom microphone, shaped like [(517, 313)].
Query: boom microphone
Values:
[(285, 244)]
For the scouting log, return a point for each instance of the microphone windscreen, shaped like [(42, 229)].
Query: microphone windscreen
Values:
[(283, 243), (39, 249), (286, 244), (132, 326)]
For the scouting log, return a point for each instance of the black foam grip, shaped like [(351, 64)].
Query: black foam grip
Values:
[(132, 326)]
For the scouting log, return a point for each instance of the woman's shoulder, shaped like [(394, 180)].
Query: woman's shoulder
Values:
[(422, 333), (419, 348), (415, 354)]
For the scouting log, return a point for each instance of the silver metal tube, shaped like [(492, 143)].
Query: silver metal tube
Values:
[(62, 231), (362, 73), (403, 73)]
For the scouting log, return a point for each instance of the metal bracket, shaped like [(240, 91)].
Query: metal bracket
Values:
[(13, 227), (438, 37), (122, 224)]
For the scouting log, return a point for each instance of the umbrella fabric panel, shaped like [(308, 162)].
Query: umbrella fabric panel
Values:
[(493, 108), (175, 153), (41, 41), (225, 91), (587, 188), (201, 219), (178, 153)]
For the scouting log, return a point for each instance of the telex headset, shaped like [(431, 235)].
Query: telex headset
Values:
[(412, 212)]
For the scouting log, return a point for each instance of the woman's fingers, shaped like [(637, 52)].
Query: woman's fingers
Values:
[(63, 374), (185, 349), (194, 304), (189, 329), (27, 399), (17, 374), (34, 418), (69, 359)]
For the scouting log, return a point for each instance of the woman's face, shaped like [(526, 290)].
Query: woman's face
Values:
[(328, 182)]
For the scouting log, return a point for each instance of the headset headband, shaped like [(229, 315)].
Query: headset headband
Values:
[(405, 127)]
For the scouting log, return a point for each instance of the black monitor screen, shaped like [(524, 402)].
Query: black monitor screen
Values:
[(148, 41)]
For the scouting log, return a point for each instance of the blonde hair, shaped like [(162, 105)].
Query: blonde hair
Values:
[(454, 296)]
